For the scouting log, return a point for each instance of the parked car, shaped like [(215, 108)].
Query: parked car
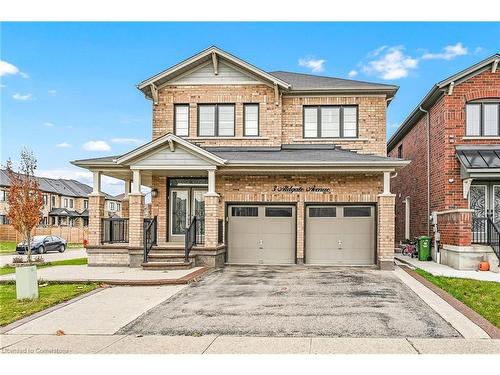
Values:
[(43, 244)]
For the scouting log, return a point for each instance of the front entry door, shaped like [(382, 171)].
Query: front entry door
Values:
[(185, 204)]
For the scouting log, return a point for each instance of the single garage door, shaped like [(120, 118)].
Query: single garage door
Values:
[(340, 235), (259, 234)]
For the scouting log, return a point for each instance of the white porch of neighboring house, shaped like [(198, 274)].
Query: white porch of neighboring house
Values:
[(181, 234)]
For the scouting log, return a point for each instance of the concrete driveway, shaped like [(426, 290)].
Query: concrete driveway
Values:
[(49, 257), (294, 301)]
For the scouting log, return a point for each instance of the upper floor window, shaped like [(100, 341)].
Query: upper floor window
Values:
[(482, 119), (65, 202), (71, 203), (53, 200), (112, 206), (216, 120), (251, 116), (330, 121), (3, 195), (118, 207), (181, 120), (44, 199), (400, 151), (85, 204)]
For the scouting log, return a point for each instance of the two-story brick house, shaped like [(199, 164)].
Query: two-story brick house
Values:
[(252, 167), (452, 139)]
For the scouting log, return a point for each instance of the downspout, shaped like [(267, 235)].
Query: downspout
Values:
[(428, 124)]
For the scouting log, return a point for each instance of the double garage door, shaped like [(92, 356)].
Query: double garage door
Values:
[(334, 235)]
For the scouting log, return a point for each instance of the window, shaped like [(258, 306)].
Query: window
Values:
[(482, 119), (118, 207), (330, 121), (53, 201), (65, 202), (3, 219), (216, 120), (245, 211), (251, 116), (111, 206), (278, 211), (322, 212), (85, 204), (71, 203), (3, 196), (181, 120), (357, 211), (44, 199), (400, 151)]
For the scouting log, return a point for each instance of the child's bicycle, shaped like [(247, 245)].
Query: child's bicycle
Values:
[(410, 249)]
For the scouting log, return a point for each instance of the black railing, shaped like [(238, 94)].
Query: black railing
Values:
[(150, 234), (114, 230), (195, 235), (220, 231), (486, 232)]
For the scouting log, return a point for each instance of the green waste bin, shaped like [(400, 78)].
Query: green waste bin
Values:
[(424, 247)]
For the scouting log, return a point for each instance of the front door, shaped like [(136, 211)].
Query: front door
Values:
[(484, 199), (185, 204)]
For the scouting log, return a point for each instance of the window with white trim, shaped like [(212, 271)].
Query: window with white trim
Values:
[(251, 116), (329, 121), (482, 119), (181, 126), (216, 120)]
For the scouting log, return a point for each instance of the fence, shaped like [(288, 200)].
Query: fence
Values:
[(70, 234)]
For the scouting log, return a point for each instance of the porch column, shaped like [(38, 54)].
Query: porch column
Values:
[(159, 206), (96, 211), (125, 200), (211, 211), (385, 237), (136, 212)]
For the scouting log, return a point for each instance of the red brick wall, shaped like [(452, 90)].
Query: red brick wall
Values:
[(455, 228), (447, 117)]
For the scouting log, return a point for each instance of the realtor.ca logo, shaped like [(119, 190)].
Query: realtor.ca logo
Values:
[(301, 189)]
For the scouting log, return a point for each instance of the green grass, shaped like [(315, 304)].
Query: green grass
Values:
[(5, 270), (12, 309), (7, 247), (481, 296)]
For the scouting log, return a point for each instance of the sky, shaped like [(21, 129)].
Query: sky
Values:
[(67, 90)]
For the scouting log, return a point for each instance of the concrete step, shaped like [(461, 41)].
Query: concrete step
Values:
[(167, 257), (167, 265)]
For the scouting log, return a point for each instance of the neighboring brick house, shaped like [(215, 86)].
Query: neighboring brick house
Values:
[(65, 202), (252, 167), (452, 139)]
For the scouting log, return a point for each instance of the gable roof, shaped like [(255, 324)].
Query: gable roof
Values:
[(437, 91), (288, 81)]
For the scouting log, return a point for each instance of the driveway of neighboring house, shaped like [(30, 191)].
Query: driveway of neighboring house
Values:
[(294, 301), (51, 256)]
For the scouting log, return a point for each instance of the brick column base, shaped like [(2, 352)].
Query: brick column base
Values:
[(385, 237), (455, 227), (96, 214), (136, 220), (211, 219)]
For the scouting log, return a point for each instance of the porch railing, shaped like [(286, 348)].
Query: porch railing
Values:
[(114, 230), (150, 236), (195, 235), (486, 232)]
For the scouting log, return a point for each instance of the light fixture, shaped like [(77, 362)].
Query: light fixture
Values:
[(154, 193)]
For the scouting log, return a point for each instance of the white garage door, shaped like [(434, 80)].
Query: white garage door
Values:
[(259, 234), (340, 235)]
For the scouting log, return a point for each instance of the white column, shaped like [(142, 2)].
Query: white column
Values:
[(136, 181), (127, 188), (97, 183), (387, 182), (211, 183)]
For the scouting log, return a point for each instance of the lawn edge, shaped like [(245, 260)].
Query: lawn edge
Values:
[(475, 317), (29, 318)]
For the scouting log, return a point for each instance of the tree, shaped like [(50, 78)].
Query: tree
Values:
[(25, 198)]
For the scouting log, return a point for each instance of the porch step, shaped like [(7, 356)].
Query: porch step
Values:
[(168, 257), (167, 265)]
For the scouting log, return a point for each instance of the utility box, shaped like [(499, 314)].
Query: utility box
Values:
[(424, 248), (26, 283)]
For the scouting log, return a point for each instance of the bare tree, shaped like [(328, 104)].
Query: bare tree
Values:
[(25, 198)]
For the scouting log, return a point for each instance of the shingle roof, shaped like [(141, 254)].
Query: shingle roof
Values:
[(304, 82), (63, 212)]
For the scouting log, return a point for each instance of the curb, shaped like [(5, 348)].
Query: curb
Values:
[(477, 319)]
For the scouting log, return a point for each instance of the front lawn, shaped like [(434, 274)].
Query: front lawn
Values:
[(51, 294), (68, 262), (7, 247), (481, 296)]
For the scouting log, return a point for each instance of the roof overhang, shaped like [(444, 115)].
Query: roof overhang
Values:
[(437, 91), (149, 85), (479, 161)]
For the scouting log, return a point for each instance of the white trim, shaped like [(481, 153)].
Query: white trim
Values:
[(162, 140), (480, 138), (458, 210), (172, 167), (337, 139)]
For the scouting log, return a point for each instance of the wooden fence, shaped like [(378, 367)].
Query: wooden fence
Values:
[(70, 234)]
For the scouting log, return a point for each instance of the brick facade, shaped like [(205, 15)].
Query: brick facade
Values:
[(96, 213), (447, 125)]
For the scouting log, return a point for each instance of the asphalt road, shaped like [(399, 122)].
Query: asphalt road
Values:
[(51, 256), (294, 301)]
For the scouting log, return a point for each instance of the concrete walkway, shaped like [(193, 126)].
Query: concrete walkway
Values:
[(107, 274), (108, 344), (437, 269), (104, 312), (49, 257)]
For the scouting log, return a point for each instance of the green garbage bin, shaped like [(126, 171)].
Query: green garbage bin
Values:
[(424, 248)]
